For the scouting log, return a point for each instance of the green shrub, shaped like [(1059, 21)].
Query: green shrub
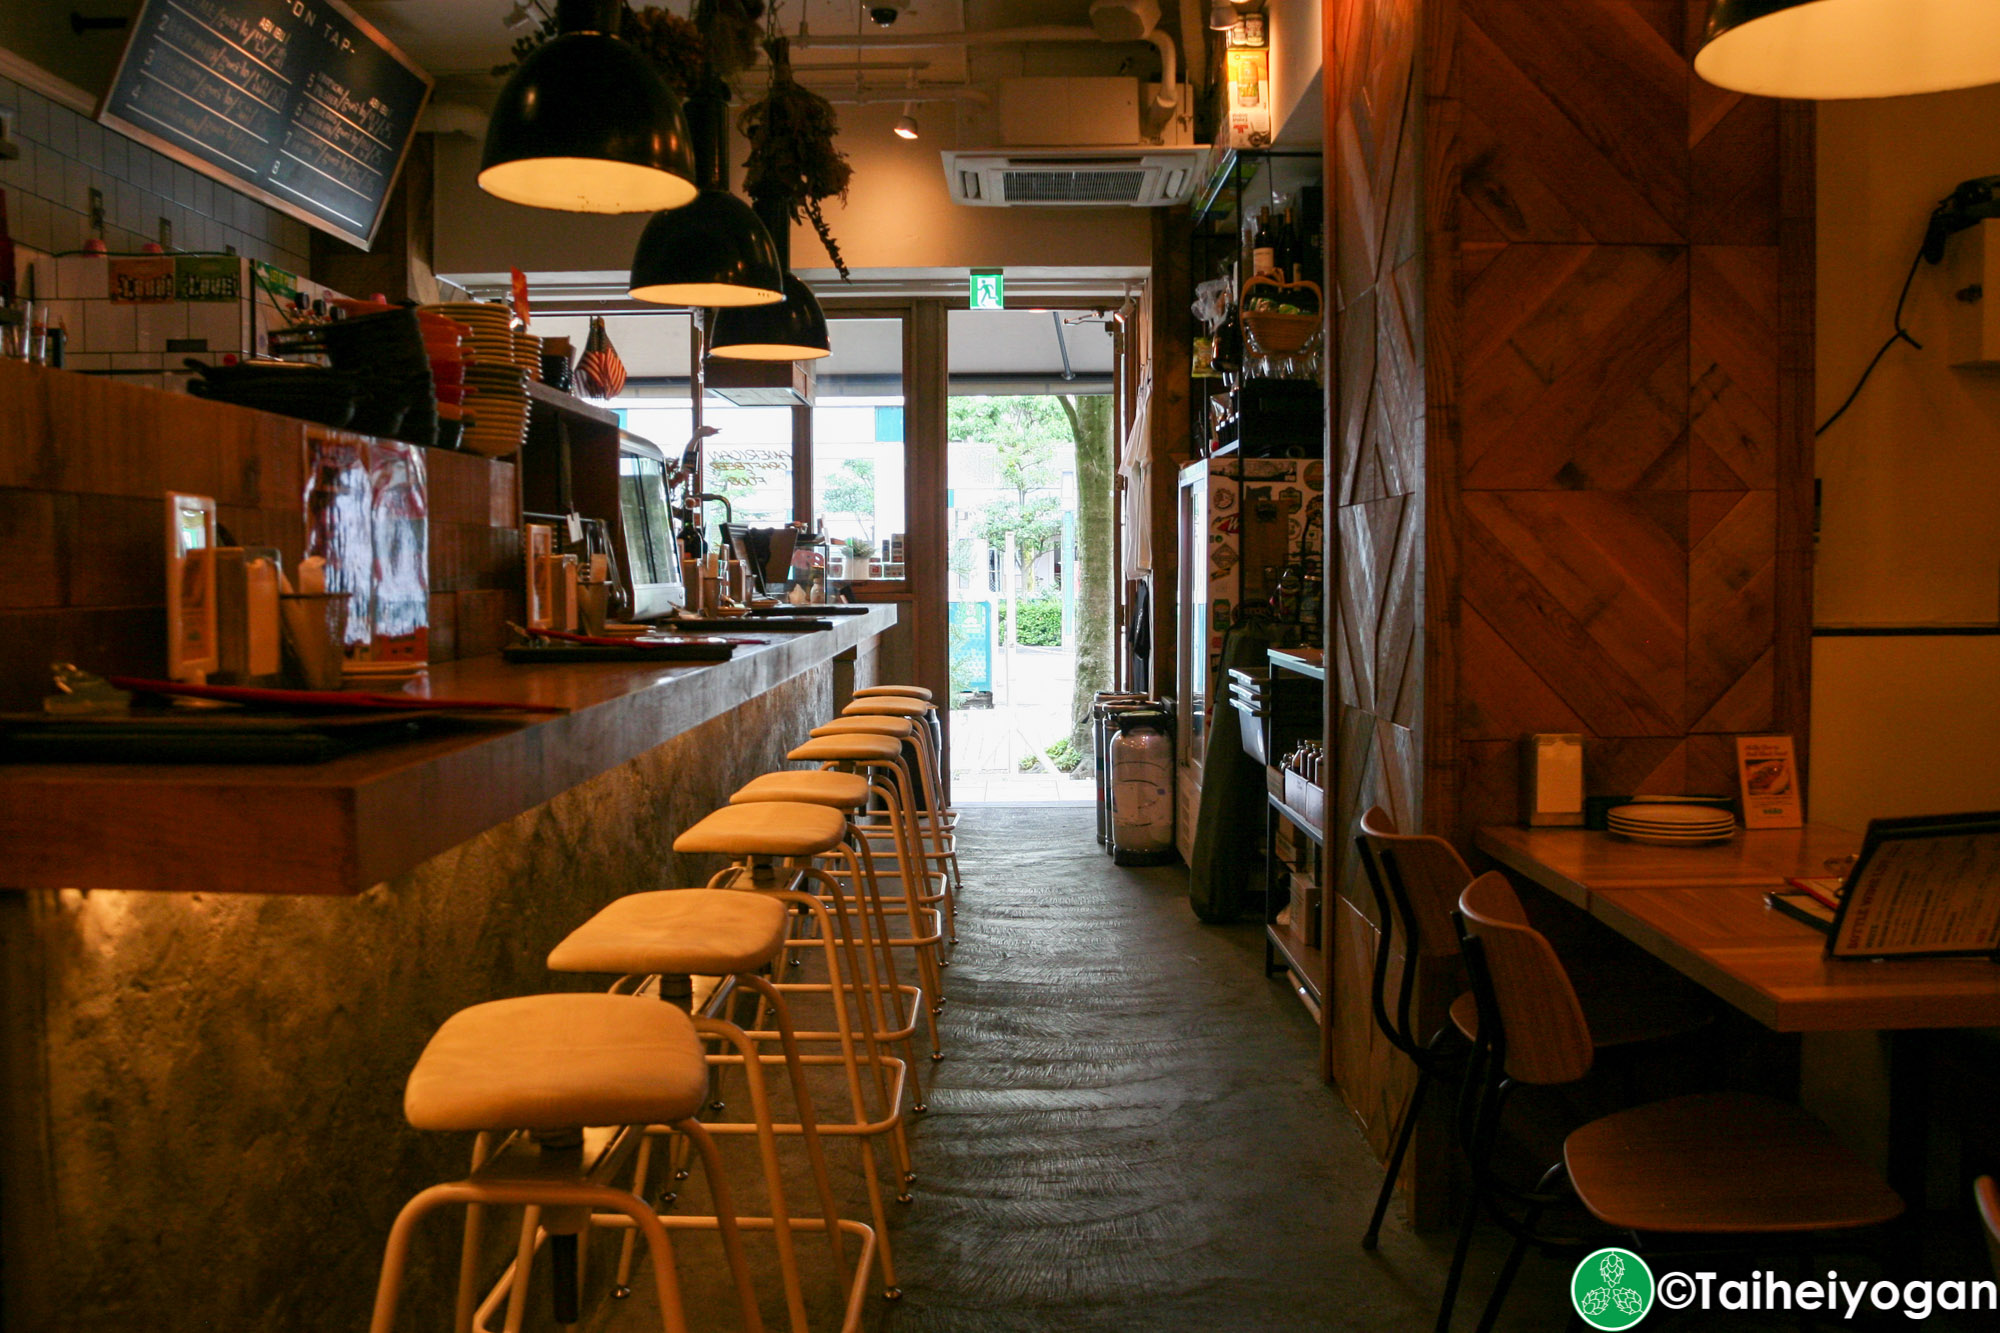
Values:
[(1041, 623), (1066, 757)]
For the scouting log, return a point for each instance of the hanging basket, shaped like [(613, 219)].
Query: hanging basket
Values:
[(1272, 333)]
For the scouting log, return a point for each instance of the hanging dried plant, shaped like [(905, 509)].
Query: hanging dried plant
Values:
[(730, 28), (793, 162), (673, 44)]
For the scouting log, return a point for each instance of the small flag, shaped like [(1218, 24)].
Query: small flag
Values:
[(520, 286), (599, 372)]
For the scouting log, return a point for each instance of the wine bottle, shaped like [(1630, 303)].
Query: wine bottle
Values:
[(1263, 251)]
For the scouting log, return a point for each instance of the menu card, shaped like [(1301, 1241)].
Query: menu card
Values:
[(1925, 886)]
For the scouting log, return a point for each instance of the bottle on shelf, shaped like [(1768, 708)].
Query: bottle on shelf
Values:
[(1263, 249)]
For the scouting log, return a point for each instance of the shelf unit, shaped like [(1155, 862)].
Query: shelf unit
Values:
[(1243, 180), (1285, 948)]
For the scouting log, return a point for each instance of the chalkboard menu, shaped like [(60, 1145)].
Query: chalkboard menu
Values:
[(297, 102)]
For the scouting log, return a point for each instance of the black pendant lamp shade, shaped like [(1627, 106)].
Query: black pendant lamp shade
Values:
[(715, 252), (586, 125), (792, 330), (1828, 49)]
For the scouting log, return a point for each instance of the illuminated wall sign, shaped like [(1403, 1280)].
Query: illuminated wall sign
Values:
[(989, 289)]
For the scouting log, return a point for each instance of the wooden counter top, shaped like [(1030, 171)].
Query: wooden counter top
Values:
[(342, 826)]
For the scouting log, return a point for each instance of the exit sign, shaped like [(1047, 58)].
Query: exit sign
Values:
[(989, 290)]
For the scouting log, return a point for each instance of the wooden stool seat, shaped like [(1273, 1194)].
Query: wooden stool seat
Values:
[(900, 727), (841, 791), (1722, 1163), (888, 707), (892, 691), (686, 932), (557, 1062), (768, 828), (854, 748)]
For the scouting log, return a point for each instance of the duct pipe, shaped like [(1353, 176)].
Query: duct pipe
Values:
[(1170, 75), (990, 37)]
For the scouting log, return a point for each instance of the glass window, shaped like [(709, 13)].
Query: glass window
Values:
[(858, 452)]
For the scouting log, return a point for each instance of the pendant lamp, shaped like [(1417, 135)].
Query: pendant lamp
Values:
[(586, 124), (792, 330), (715, 252), (1829, 49)]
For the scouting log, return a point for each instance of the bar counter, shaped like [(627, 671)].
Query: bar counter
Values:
[(343, 825), (202, 1065)]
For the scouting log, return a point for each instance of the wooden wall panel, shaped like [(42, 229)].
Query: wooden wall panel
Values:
[(1376, 519), (1571, 428), (1624, 362)]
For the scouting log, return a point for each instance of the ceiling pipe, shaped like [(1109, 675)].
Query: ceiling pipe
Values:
[(990, 37)]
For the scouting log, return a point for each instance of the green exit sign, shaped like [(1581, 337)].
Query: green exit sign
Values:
[(989, 290)]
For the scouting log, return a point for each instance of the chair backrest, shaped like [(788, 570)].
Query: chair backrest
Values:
[(1427, 871), (1987, 1195), (1527, 1006)]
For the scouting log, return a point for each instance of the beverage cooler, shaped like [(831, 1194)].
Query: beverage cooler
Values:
[(1243, 521)]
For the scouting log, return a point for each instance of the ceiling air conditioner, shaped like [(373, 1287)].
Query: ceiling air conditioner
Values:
[(1142, 176)]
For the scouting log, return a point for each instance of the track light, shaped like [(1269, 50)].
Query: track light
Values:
[(906, 128)]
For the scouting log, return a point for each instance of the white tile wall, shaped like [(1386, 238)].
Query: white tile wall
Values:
[(65, 154)]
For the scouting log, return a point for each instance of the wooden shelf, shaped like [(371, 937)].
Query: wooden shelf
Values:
[(1302, 960), (569, 405), (1306, 826), (343, 826)]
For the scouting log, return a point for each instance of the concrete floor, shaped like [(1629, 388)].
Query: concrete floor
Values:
[(1128, 1132)]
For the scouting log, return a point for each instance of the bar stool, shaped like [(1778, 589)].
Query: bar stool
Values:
[(762, 841), (542, 1070), (848, 793), (942, 850), (722, 933), (882, 756), (936, 824)]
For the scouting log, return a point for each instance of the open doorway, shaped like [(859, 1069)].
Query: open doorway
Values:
[(1030, 465)]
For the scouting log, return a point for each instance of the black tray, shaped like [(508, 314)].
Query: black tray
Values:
[(634, 652), (741, 625), (812, 609), (203, 736)]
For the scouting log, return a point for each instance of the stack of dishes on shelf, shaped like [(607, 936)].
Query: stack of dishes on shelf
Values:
[(528, 355), (444, 343), (495, 378), (1671, 824)]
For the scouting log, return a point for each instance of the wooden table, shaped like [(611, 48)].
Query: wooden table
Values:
[(1701, 911)]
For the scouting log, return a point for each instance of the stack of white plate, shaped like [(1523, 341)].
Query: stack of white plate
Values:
[(1671, 825)]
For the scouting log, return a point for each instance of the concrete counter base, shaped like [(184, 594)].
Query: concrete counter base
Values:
[(203, 1092)]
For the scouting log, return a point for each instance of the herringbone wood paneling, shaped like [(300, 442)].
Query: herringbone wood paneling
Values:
[(1575, 120), (1575, 369)]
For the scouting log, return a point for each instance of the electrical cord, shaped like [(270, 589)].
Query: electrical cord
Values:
[(1900, 335)]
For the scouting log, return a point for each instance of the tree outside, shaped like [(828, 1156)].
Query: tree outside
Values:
[(1014, 459)]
